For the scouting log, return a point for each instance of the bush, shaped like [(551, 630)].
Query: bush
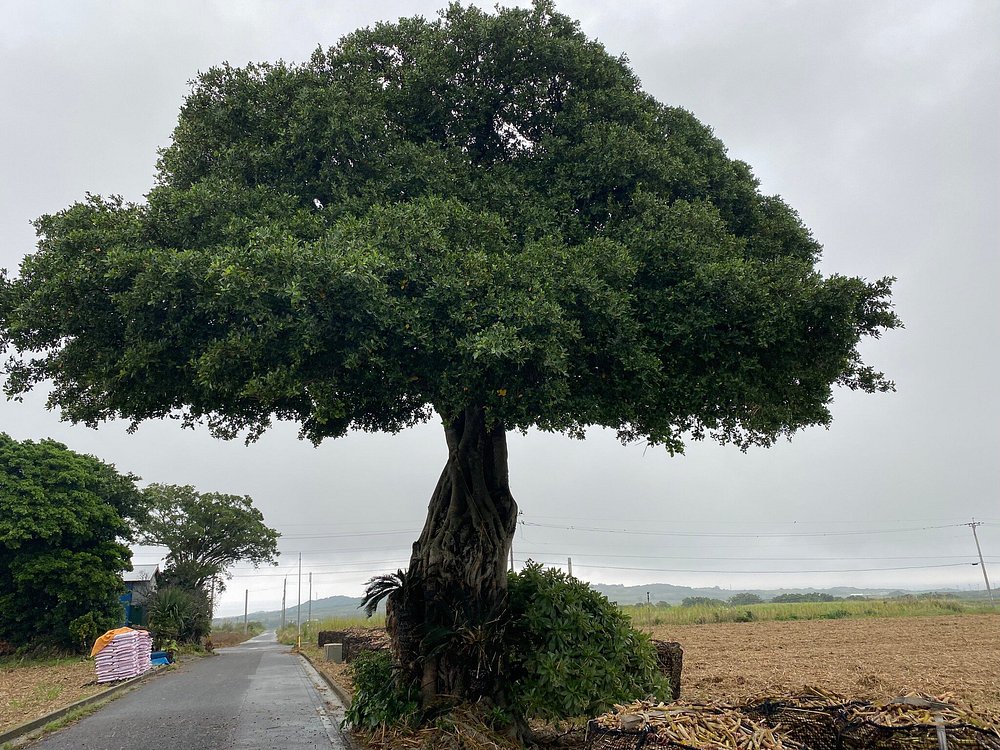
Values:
[(800, 598), (379, 700), (702, 601), (744, 597), (85, 629), (180, 615), (571, 651)]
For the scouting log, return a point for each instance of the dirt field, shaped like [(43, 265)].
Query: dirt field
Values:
[(27, 692), (863, 658)]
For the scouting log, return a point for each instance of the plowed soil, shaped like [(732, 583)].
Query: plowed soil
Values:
[(28, 692), (863, 658)]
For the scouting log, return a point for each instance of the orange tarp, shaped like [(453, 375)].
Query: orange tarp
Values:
[(105, 639)]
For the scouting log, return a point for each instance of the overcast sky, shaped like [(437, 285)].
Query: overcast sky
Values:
[(878, 121)]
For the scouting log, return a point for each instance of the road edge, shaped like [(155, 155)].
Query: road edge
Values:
[(341, 696)]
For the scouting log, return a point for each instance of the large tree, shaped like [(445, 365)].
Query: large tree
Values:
[(481, 217), (205, 533), (64, 518)]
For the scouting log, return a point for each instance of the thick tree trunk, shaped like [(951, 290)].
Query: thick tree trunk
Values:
[(447, 622)]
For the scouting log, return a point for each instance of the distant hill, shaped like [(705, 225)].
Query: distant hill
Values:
[(347, 606)]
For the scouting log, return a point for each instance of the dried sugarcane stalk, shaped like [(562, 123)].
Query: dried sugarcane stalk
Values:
[(707, 727), (916, 709)]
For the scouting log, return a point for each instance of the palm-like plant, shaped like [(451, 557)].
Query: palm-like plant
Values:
[(379, 587)]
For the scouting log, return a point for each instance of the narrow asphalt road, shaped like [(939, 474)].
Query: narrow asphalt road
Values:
[(256, 696)]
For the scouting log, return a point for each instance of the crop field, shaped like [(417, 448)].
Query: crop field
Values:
[(650, 616), (864, 658)]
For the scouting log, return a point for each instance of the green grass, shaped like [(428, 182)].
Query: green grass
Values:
[(48, 692), (649, 616)]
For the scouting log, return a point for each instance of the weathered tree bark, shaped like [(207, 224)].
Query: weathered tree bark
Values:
[(446, 622)]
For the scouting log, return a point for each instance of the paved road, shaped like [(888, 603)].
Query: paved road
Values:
[(256, 696)]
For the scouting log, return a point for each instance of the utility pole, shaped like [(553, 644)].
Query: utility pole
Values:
[(512, 557), (982, 564), (298, 609), (284, 591), (569, 566), (310, 618), (246, 603)]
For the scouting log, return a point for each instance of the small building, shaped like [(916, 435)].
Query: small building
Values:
[(140, 584)]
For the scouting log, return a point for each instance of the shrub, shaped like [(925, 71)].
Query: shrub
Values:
[(571, 651), (179, 614), (85, 629), (701, 601), (800, 598), (379, 699)]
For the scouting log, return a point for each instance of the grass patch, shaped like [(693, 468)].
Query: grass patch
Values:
[(47, 692)]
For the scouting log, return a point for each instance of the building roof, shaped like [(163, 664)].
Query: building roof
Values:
[(140, 573)]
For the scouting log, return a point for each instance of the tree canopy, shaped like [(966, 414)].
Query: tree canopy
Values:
[(63, 520), (481, 209), (205, 532)]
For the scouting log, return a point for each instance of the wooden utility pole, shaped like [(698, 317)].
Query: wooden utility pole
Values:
[(569, 566), (982, 563), (246, 604)]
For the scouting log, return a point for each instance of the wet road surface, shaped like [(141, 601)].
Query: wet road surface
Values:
[(255, 696)]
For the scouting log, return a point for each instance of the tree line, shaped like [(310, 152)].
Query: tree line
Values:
[(66, 523), (746, 597)]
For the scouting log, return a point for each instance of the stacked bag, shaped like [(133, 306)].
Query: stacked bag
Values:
[(122, 654)]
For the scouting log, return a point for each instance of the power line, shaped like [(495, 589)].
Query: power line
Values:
[(836, 570), (350, 535), (760, 559), (770, 521), (746, 535)]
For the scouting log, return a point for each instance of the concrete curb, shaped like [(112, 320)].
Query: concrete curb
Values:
[(31, 726), (341, 696), (332, 684)]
